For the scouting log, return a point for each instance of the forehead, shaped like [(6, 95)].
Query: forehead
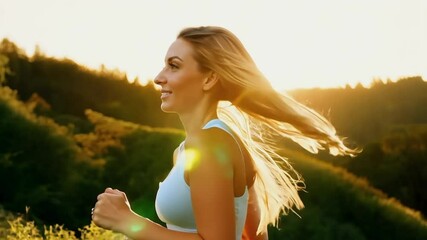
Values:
[(180, 48)]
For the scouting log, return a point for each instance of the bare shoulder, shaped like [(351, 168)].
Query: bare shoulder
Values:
[(215, 141), (215, 151)]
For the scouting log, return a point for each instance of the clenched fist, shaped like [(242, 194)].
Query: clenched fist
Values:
[(112, 210)]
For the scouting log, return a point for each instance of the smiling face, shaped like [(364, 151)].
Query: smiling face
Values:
[(181, 79)]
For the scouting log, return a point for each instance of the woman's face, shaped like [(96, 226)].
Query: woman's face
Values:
[(181, 79)]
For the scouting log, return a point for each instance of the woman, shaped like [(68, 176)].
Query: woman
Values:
[(227, 181)]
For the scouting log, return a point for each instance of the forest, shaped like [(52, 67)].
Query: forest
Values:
[(67, 132)]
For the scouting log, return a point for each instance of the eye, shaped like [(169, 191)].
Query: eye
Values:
[(173, 66)]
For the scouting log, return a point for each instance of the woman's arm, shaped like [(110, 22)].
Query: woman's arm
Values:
[(211, 180)]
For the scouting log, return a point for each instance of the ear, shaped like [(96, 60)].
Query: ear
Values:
[(210, 81)]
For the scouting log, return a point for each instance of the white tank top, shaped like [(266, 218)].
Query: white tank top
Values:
[(173, 200)]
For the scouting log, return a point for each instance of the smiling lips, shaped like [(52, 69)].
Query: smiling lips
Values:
[(165, 93)]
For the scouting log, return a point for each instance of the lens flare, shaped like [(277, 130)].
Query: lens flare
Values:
[(192, 159), (136, 227), (224, 159), (221, 156)]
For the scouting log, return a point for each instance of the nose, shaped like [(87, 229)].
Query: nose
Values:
[(160, 79)]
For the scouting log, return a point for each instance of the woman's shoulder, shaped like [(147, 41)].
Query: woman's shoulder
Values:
[(213, 136), (214, 140)]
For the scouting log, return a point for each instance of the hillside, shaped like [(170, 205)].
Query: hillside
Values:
[(68, 131), (121, 154)]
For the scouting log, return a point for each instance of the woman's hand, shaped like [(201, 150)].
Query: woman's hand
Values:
[(112, 210)]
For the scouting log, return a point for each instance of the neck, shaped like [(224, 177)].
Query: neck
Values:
[(194, 121)]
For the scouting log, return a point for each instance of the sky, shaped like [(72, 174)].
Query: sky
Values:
[(295, 43)]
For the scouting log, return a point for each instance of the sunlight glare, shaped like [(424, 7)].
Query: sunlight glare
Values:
[(223, 159), (136, 228), (193, 159)]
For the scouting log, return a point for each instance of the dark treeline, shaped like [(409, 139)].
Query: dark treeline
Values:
[(59, 149), (361, 114)]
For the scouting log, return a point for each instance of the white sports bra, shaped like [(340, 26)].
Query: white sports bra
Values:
[(173, 200)]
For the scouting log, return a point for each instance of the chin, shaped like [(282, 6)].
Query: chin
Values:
[(167, 109)]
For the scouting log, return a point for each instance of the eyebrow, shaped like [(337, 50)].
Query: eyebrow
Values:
[(174, 57)]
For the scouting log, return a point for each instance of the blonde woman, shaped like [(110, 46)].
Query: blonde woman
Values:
[(227, 182)]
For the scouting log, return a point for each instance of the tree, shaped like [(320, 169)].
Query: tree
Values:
[(4, 69)]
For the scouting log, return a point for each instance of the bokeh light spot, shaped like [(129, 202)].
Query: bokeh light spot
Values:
[(223, 158), (136, 227), (192, 158)]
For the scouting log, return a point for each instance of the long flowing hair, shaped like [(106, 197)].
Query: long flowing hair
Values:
[(258, 114)]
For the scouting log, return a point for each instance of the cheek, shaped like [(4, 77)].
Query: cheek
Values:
[(189, 88)]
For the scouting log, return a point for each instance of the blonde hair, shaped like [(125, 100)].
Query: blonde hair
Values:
[(258, 114)]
